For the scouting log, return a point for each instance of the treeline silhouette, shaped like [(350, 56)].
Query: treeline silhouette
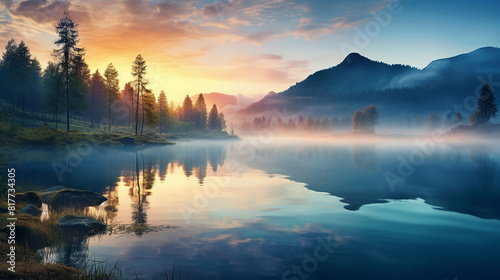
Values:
[(296, 124), (66, 88)]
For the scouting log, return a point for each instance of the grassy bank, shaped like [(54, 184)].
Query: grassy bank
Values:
[(32, 234), (12, 134), (40, 131)]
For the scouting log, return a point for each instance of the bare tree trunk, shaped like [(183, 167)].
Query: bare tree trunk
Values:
[(109, 115), (132, 109), (92, 113), (66, 58), (142, 125), (137, 106), (57, 102)]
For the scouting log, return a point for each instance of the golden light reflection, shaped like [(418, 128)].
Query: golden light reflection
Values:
[(223, 200)]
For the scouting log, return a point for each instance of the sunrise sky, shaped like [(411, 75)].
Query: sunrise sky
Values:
[(251, 46)]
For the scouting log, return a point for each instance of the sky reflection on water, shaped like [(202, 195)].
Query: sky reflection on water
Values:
[(242, 217)]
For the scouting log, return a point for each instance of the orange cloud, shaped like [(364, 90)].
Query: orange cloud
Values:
[(182, 41)]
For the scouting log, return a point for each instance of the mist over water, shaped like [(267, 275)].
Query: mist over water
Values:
[(259, 207)]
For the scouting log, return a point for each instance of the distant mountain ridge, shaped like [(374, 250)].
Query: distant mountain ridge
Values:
[(358, 81), (222, 100), (485, 59)]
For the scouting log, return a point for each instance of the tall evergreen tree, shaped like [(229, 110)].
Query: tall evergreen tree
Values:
[(8, 72), (128, 100), (68, 50), (53, 83), (163, 112), (187, 110), (34, 82), (150, 116), (97, 93), (112, 86), (200, 110), (309, 123), (79, 83), (222, 120), (22, 74), (317, 124), (139, 72), (326, 124), (213, 119), (486, 107)]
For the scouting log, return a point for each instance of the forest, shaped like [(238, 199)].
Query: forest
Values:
[(67, 93)]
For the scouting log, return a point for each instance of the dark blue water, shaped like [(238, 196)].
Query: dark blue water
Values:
[(285, 209)]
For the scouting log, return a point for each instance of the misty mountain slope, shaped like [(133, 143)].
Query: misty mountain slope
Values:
[(355, 74), (358, 81), (481, 61)]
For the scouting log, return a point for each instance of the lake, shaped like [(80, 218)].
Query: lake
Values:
[(265, 208)]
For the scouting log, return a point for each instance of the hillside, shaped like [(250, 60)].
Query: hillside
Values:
[(358, 81)]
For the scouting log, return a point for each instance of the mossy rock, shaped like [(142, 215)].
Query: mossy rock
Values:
[(81, 224), (47, 194), (32, 210), (76, 199)]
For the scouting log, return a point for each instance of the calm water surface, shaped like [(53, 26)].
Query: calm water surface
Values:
[(285, 209)]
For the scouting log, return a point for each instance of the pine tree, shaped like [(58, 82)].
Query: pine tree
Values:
[(22, 73), (213, 119), (79, 83), (53, 83), (128, 100), (309, 123), (34, 82), (97, 93), (139, 72), (187, 110), (317, 124), (200, 110), (112, 86), (326, 124), (222, 121), (163, 111), (486, 107), (150, 116), (300, 121), (8, 72), (68, 40)]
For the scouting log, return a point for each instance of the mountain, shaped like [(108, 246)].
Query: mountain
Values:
[(355, 73), (358, 81), (481, 60), (222, 100)]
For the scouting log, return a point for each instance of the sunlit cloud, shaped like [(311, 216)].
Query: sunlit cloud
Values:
[(166, 33), (190, 45)]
